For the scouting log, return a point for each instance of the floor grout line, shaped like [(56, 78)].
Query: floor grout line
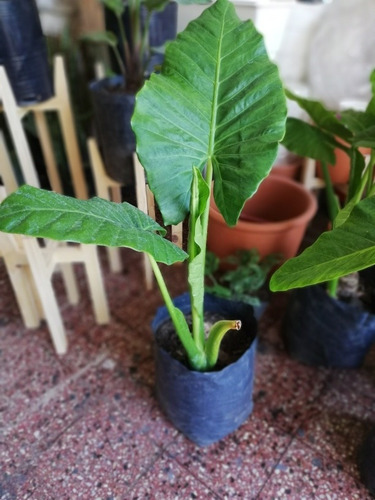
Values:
[(46, 397)]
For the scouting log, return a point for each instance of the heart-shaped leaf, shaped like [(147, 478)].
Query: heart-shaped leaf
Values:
[(218, 98)]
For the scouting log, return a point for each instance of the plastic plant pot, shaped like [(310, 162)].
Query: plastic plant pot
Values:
[(207, 406)]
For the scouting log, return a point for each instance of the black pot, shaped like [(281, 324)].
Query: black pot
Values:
[(23, 51), (112, 114), (323, 331), (206, 406), (366, 462), (163, 27)]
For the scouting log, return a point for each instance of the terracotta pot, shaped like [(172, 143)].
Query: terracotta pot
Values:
[(274, 220), (288, 169)]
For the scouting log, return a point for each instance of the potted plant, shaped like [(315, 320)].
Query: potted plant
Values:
[(217, 112), (136, 27), (344, 336), (321, 328)]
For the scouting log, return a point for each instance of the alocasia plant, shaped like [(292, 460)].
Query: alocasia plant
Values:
[(216, 111), (350, 245), (132, 46)]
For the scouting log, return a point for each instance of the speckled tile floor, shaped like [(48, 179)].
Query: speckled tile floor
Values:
[(86, 425)]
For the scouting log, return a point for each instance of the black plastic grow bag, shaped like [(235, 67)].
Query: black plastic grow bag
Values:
[(23, 51), (206, 406), (321, 330), (113, 111)]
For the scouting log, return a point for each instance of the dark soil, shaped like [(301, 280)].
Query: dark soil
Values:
[(234, 344)]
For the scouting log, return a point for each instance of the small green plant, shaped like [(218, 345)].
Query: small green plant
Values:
[(245, 278), (131, 48), (216, 111), (350, 245)]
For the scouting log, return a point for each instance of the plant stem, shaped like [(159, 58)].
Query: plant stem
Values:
[(367, 180), (333, 209), (197, 301), (332, 202), (197, 357), (163, 287), (332, 287), (125, 47), (144, 50), (370, 175), (120, 63)]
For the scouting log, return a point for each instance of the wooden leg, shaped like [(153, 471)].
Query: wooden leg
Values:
[(96, 284), (114, 259), (46, 293), (24, 295), (70, 283), (68, 129)]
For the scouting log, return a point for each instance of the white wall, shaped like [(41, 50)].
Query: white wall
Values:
[(269, 16)]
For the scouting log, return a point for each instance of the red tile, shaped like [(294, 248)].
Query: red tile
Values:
[(83, 462), (166, 479), (285, 390), (303, 473), (339, 421), (87, 425), (237, 466)]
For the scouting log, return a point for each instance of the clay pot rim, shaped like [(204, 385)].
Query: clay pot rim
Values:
[(282, 225)]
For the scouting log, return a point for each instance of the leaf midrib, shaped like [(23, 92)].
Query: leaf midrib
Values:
[(115, 221), (216, 92)]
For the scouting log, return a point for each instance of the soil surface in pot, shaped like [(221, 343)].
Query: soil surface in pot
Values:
[(234, 344)]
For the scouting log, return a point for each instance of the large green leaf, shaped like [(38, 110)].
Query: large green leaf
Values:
[(306, 140), (322, 117), (116, 6), (218, 97), (348, 248), (357, 121), (41, 213)]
